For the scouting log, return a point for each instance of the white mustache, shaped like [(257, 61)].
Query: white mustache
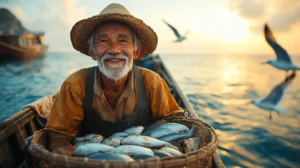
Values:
[(109, 56)]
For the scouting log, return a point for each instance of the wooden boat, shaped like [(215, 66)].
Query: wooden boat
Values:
[(15, 130), (22, 46)]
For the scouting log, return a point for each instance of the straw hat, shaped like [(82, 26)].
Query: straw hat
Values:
[(82, 30)]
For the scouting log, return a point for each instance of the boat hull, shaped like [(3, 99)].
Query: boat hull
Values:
[(10, 52)]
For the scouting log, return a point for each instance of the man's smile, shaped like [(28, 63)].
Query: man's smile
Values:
[(114, 61)]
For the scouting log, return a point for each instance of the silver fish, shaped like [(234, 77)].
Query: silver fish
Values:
[(178, 136), (145, 141), (143, 157), (161, 153), (136, 130), (119, 135), (112, 142), (175, 126), (91, 148), (111, 156), (89, 136), (190, 144), (97, 139), (156, 133), (171, 151), (81, 143), (78, 139), (132, 150)]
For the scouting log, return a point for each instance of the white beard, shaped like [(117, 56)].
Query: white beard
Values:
[(117, 71)]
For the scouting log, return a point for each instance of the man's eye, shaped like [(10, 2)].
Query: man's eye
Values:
[(123, 40), (101, 40)]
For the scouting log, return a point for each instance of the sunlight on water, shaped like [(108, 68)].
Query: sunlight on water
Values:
[(219, 87)]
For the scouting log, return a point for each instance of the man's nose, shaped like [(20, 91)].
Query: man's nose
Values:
[(114, 49)]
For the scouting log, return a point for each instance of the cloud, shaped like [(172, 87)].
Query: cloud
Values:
[(281, 15), (249, 9), (54, 18)]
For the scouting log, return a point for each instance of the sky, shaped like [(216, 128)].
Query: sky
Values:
[(216, 26)]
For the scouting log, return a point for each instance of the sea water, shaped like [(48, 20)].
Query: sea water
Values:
[(218, 87)]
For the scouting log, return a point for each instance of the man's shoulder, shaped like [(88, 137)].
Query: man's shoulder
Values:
[(150, 77), (146, 73), (78, 75)]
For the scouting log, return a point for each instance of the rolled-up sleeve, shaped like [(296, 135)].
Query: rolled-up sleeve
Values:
[(66, 112)]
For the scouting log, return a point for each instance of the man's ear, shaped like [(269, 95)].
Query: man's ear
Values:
[(92, 54), (137, 53)]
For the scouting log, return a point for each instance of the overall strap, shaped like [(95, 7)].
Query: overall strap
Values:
[(89, 91), (141, 91)]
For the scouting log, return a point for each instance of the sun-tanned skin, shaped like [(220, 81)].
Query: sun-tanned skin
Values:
[(114, 38)]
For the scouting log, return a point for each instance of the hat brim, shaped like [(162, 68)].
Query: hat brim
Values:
[(82, 30)]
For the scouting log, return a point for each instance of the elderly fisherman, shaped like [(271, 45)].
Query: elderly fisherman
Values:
[(114, 95)]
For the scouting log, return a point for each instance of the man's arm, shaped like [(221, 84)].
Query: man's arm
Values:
[(65, 116)]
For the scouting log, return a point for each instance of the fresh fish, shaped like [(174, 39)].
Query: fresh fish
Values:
[(91, 148), (119, 135), (143, 157), (175, 126), (81, 143), (136, 130), (97, 139), (156, 133), (132, 150), (145, 141), (161, 153), (78, 139), (111, 156), (171, 151), (190, 144), (178, 136), (89, 136), (112, 142)]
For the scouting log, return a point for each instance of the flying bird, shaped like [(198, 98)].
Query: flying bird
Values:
[(179, 37), (283, 60), (271, 102)]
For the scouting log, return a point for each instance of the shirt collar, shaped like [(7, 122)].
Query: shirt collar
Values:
[(128, 89)]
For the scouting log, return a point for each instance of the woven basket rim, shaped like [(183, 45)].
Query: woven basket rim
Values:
[(40, 152)]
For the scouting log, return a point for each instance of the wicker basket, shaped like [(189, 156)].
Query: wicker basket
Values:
[(39, 156)]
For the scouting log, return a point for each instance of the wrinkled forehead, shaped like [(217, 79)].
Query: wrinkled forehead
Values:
[(114, 26)]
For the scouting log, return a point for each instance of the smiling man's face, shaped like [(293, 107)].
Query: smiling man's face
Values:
[(114, 49)]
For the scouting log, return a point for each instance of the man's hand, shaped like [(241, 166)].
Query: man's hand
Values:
[(60, 144), (66, 151)]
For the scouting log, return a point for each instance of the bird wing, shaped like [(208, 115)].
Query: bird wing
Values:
[(174, 30), (280, 52), (277, 92), (276, 95), (186, 33)]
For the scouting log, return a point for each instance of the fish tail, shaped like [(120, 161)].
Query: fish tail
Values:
[(193, 131), (171, 146)]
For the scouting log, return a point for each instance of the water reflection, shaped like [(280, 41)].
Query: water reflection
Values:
[(25, 81), (225, 84)]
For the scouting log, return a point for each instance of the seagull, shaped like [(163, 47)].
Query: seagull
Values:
[(283, 60), (274, 98), (179, 37)]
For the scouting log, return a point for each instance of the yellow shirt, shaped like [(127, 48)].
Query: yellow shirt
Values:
[(67, 111)]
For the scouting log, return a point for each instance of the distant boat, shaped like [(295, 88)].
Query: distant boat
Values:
[(16, 42), (19, 46)]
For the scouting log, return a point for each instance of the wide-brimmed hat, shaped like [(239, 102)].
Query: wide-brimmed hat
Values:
[(82, 30)]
